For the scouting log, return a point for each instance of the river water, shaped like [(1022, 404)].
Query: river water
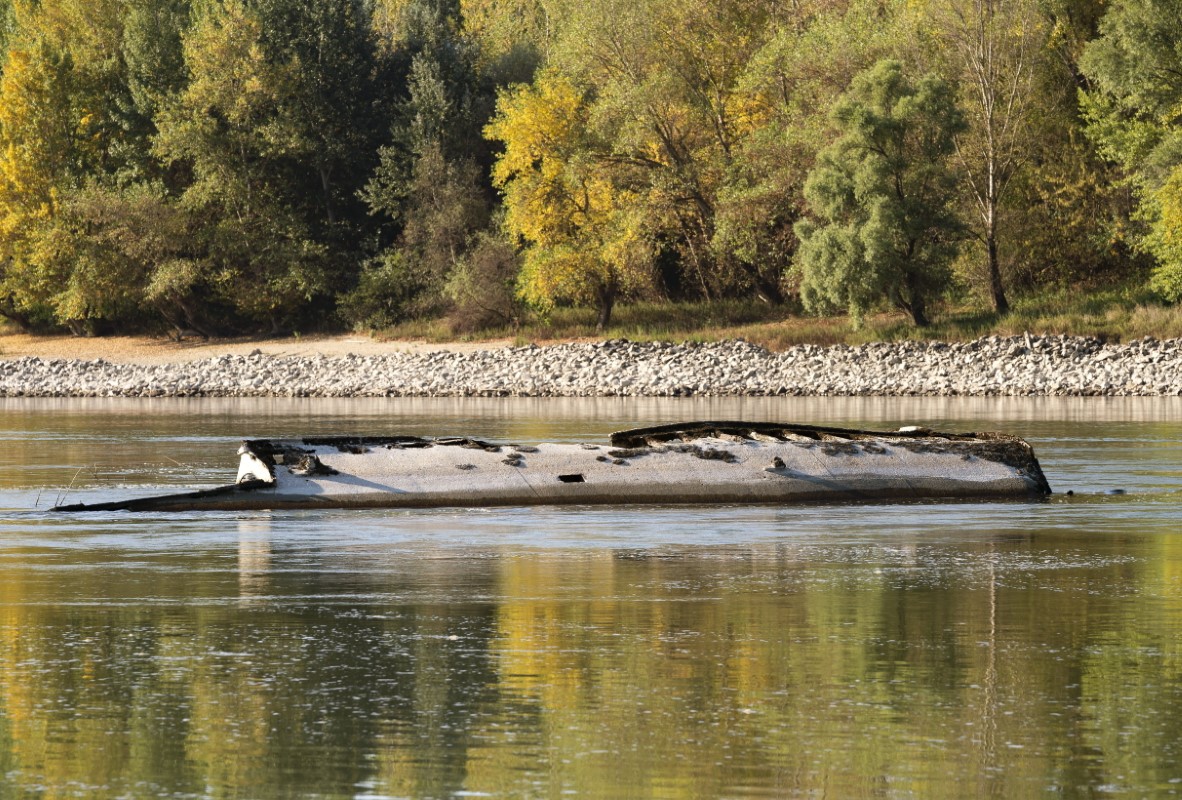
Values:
[(924, 650)]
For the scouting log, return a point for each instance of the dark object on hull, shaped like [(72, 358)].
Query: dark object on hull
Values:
[(693, 462)]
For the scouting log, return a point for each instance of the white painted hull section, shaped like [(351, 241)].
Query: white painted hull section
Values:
[(818, 465), (441, 476)]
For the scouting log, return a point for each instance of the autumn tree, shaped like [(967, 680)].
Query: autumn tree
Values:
[(512, 36), (7, 26), (254, 165), (584, 239), (64, 122), (883, 194), (664, 99)]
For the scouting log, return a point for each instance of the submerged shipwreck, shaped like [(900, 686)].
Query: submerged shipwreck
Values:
[(692, 462)]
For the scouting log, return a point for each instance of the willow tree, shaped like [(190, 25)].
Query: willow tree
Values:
[(883, 195), (789, 87)]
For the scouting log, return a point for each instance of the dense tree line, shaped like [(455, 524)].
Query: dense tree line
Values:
[(225, 166)]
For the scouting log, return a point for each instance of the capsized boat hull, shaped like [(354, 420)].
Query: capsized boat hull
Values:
[(699, 462)]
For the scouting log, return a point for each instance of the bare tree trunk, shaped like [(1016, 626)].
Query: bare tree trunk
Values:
[(696, 259), (996, 290), (919, 313), (767, 288), (607, 300), (9, 311), (914, 303), (326, 185)]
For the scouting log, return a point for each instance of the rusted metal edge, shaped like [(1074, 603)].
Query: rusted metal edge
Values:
[(1002, 448), (638, 437)]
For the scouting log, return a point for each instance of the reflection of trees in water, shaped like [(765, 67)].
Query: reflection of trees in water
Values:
[(766, 667), (795, 668), (291, 692)]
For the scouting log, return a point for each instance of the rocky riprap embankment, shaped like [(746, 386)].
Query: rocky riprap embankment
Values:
[(1030, 365)]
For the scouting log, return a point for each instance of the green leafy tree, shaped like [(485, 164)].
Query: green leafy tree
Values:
[(790, 85), (883, 192), (120, 241), (1066, 211), (1132, 108), (429, 187), (483, 286), (1073, 23), (441, 114), (276, 130), (229, 130), (446, 207), (153, 52), (336, 109)]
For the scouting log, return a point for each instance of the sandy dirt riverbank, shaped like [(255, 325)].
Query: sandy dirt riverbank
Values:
[(147, 350)]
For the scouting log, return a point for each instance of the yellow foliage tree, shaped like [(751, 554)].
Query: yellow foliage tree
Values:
[(668, 95), (1164, 206), (38, 137), (585, 241), (59, 123)]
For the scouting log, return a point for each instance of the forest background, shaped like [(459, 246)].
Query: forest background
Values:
[(223, 167)]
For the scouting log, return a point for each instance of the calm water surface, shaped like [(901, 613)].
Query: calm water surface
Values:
[(930, 650)]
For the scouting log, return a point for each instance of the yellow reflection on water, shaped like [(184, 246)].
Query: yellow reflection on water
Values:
[(254, 557)]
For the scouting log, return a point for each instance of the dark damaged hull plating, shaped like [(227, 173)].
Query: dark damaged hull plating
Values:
[(696, 462)]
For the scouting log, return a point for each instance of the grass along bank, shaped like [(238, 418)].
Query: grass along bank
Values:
[(1115, 315)]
